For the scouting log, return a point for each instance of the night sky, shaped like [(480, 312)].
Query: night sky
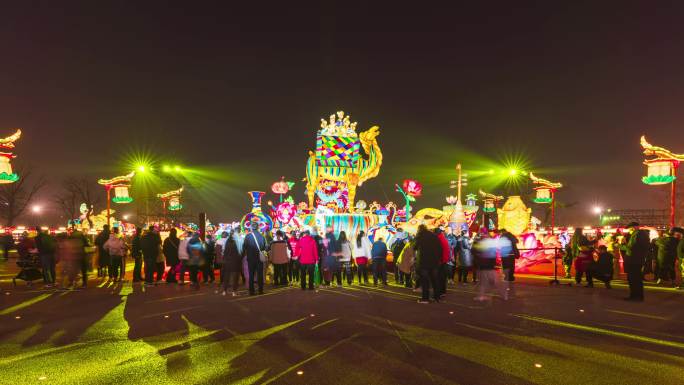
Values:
[(240, 90)]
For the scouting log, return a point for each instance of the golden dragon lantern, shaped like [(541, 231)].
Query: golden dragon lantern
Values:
[(661, 169), (337, 168), (6, 156)]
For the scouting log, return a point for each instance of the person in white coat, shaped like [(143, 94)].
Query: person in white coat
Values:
[(361, 251), (184, 256)]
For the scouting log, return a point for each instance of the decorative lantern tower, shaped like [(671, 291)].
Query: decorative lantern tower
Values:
[(546, 193), (6, 156), (662, 169), (120, 185)]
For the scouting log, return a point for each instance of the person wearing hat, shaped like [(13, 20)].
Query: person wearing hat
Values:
[(635, 251)]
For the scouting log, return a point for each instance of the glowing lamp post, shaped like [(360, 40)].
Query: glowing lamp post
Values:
[(489, 204), (171, 200), (120, 185), (662, 169), (6, 156), (546, 194)]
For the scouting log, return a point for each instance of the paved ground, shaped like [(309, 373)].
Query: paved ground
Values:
[(350, 335)]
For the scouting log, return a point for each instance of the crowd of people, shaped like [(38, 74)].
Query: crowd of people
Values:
[(598, 257), (426, 262)]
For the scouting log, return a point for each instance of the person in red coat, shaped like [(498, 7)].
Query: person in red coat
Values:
[(444, 260), (307, 249)]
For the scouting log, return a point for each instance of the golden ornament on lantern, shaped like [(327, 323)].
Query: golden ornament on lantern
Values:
[(119, 185), (662, 169), (172, 200), (6, 156)]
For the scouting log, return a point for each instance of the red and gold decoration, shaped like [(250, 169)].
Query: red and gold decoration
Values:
[(490, 201), (120, 185), (171, 200), (546, 193), (6, 156), (661, 169)]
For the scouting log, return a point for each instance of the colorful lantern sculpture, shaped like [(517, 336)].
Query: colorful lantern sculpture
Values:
[(546, 193), (514, 216), (337, 168), (120, 185), (662, 169), (172, 200), (6, 156), (285, 212), (281, 187), (264, 222)]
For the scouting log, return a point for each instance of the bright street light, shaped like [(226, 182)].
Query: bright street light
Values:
[(36, 209), (597, 210)]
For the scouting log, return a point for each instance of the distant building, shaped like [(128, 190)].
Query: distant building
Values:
[(646, 217)]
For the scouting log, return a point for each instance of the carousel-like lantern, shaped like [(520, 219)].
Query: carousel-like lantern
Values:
[(172, 200), (6, 156)]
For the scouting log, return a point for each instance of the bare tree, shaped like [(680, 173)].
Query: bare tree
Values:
[(16, 197), (68, 203), (77, 191)]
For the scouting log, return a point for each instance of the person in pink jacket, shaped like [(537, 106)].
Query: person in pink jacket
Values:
[(307, 249)]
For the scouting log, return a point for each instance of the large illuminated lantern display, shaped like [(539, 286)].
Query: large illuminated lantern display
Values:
[(514, 216), (662, 169), (6, 156), (343, 161), (336, 168), (264, 221)]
